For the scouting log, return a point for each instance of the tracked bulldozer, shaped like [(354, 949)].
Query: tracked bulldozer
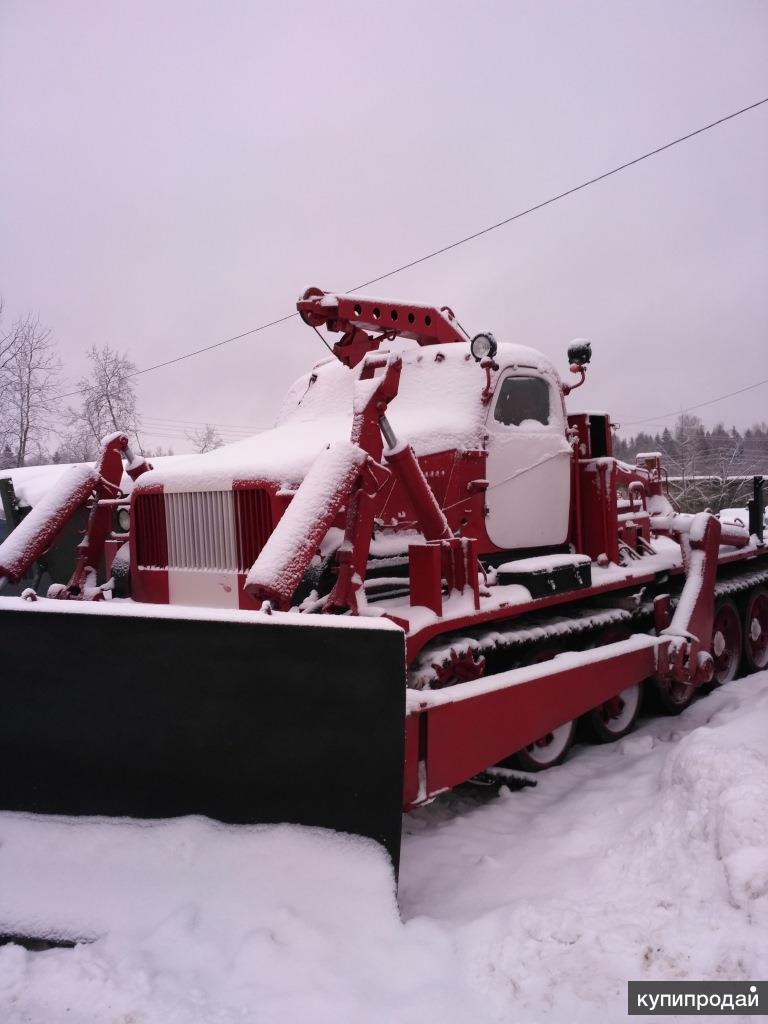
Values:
[(426, 572)]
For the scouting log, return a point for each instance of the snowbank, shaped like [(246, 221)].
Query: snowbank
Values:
[(647, 859), (203, 923), (644, 860)]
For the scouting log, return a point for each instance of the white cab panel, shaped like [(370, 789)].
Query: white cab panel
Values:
[(529, 461)]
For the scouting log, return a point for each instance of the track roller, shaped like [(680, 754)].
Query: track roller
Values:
[(756, 630), (551, 749), (668, 696), (726, 642), (546, 752), (615, 718)]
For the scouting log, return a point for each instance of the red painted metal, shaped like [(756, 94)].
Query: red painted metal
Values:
[(460, 566), (756, 630), (461, 668), (466, 733), (453, 559), (504, 612), (354, 315), (370, 408), (425, 564), (90, 550), (412, 766), (691, 627), (149, 548), (581, 371), (472, 722), (253, 521), (429, 515), (490, 367), (282, 563), (727, 641), (458, 482), (136, 465)]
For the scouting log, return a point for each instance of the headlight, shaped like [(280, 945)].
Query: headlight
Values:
[(579, 352), (124, 519), (483, 346)]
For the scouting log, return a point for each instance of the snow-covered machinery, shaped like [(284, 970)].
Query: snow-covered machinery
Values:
[(427, 570)]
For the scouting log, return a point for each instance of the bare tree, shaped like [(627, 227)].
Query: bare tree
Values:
[(75, 445), (205, 440), (9, 344), (30, 374), (9, 341), (108, 402)]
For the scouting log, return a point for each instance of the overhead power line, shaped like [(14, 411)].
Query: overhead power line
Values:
[(177, 422), (160, 431), (562, 195), (195, 352), (203, 422), (454, 245), (699, 405)]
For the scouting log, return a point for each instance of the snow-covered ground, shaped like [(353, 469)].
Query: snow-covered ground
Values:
[(645, 860)]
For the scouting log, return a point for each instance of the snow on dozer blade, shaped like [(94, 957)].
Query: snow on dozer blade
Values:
[(245, 718)]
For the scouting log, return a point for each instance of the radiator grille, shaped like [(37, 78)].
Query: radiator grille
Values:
[(221, 531), (253, 516), (149, 529), (201, 531)]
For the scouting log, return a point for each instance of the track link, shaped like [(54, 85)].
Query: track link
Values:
[(522, 642), (509, 646)]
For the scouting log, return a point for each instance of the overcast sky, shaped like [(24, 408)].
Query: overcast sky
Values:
[(173, 173)]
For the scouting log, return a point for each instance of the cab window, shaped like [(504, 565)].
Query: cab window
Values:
[(521, 399)]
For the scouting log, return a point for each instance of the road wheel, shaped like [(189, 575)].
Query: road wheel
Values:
[(726, 642), (552, 748), (668, 696), (615, 717), (756, 630), (547, 751)]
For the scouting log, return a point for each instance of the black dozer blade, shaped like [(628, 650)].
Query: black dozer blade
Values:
[(253, 721)]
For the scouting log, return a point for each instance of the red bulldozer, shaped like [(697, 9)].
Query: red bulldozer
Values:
[(427, 572)]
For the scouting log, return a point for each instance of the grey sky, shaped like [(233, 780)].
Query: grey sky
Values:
[(173, 173)]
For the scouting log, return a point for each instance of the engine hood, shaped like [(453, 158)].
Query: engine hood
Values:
[(438, 408)]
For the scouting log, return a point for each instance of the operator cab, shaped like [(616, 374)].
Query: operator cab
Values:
[(529, 459)]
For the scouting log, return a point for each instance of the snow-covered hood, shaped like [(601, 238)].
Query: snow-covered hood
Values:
[(438, 408)]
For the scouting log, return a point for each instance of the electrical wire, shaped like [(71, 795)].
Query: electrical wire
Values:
[(699, 405), (451, 245), (189, 355), (147, 421), (164, 428), (201, 423), (148, 429), (561, 195)]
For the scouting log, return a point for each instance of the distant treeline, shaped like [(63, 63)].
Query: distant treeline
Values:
[(709, 468)]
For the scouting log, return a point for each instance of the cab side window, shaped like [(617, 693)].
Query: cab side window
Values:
[(521, 399)]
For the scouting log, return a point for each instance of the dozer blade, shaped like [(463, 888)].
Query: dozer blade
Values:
[(107, 709)]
